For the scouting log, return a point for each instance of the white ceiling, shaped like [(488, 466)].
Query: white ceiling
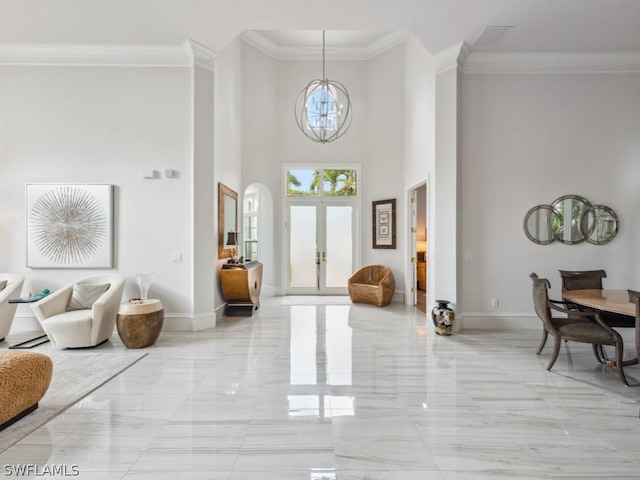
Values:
[(538, 25)]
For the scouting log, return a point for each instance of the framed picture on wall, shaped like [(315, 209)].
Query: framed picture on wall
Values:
[(69, 225), (384, 223)]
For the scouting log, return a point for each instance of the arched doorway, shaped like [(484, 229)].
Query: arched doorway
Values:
[(257, 231)]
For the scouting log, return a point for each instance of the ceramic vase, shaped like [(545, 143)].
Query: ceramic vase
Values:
[(443, 317)]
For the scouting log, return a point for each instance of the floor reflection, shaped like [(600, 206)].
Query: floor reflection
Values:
[(321, 355)]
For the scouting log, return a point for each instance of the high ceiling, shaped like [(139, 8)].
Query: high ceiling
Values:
[(538, 25)]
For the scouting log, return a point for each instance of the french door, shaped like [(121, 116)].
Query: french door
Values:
[(321, 246)]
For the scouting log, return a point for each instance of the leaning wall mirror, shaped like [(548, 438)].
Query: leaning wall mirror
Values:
[(599, 224), (227, 218), (570, 208)]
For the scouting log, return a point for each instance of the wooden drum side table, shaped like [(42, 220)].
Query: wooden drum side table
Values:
[(139, 324)]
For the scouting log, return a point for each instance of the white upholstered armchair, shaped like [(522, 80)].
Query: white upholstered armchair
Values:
[(83, 313), (12, 289)]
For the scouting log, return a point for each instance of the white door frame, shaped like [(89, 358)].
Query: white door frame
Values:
[(287, 201), (411, 276)]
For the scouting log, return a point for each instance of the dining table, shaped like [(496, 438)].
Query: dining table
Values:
[(607, 300)]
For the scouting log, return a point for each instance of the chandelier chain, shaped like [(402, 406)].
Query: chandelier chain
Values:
[(323, 46)]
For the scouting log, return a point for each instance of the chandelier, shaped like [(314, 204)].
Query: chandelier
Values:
[(323, 108)]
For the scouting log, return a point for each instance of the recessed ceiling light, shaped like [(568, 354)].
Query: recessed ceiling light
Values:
[(492, 35)]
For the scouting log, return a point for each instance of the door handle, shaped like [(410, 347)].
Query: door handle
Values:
[(318, 269), (324, 257)]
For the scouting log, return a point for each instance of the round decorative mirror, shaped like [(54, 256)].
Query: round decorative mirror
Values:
[(570, 209), (599, 224), (541, 224)]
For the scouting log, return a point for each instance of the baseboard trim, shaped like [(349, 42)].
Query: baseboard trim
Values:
[(502, 321), (173, 322), (177, 322)]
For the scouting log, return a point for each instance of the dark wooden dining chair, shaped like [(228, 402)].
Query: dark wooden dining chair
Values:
[(634, 297), (590, 279), (595, 331), (558, 321), (581, 279)]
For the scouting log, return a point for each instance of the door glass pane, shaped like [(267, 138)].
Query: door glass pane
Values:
[(302, 182), (340, 182), (339, 248), (302, 258)]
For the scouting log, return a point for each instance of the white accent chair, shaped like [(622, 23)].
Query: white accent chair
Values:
[(81, 328), (8, 310)]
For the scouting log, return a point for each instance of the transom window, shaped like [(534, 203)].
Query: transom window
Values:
[(321, 182)]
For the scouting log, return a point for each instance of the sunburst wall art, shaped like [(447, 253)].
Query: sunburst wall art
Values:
[(69, 226)]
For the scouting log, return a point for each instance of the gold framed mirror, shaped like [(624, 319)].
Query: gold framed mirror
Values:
[(227, 218)]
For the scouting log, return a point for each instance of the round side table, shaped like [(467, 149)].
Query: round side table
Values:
[(139, 324)]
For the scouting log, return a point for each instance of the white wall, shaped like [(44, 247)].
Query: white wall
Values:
[(64, 124), (383, 167), (228, 132), (528, 139), (419, 112), (271, 137), (446, 212), (205, 236), (259, 160), (420, 141)]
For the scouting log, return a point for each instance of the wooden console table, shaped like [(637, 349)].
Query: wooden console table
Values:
[(241, 284)]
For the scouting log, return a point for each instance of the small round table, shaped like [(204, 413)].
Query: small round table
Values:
[(139, 324)]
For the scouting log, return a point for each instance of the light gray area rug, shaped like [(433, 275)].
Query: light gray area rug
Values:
[(316, 300), (75, 375)]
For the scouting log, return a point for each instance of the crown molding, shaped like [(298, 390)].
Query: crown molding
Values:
[(386, 43), (259, 42), (315, 53), (452, 57), (201, 55), (99, 55), (488, 63)]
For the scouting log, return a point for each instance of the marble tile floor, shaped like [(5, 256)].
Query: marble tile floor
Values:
[(346, 392)]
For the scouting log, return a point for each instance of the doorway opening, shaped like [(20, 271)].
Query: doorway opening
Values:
[(321, 211), (258, 232), (419, 215)]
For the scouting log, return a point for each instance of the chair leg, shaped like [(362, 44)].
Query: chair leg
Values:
[(556, 351), (603, 354), (598, 353), (545, 334), (619, 354)]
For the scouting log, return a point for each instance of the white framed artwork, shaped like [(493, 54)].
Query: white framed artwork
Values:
[(69, 225)]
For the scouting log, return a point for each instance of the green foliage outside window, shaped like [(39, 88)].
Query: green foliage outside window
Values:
[(335, 183)]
